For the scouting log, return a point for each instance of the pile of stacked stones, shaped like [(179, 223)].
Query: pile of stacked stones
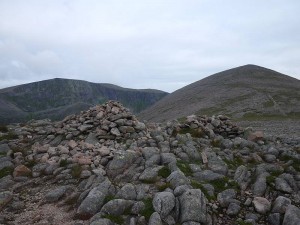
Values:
[(109, 168)]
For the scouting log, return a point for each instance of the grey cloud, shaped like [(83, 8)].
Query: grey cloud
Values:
[(144, 44)]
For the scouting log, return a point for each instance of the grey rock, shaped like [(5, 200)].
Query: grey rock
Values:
[(5, 198), (207, 175), (233, 209), (177, 178), (260, 185), (121, 161), (269, 158), (274, 219), (167, 158), (292, 216), (155, 219), (127, 192), (102, 221), (181, 189), (193, 206), (280, 204), (282, 185), (261, 205), (137, 207), (94, 201), (92, 139), (5, 162), (226, 197), (154, 160), (241, 176), (148, 152), (115, 131), (57, 194), (150, 173), (163, 203), (116, 207), (6, 182), (4, 149), (191, 223)]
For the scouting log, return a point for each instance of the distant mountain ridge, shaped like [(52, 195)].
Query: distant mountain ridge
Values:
[(57, 98), (248, 92)]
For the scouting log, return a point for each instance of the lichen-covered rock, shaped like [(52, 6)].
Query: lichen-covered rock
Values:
[(193, 206), (163, 203), (292, 216)]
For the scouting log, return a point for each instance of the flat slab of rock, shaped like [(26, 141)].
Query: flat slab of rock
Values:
[(163, 203)]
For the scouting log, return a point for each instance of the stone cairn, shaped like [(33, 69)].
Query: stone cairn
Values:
[(104, 166)]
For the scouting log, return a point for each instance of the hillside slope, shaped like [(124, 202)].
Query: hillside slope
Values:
[(247, 92), (57, 98)]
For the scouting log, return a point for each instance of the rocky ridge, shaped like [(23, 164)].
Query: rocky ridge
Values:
[(103, 166)]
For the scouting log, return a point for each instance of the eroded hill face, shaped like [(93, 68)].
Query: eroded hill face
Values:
[(104, 166), (246, 93), (58, 98)]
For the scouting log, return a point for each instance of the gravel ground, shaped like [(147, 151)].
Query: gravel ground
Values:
[(283, 129)]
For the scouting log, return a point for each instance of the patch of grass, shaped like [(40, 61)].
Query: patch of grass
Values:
[(223, 184), (295, 164), (108, 198), (164, 172), (9, 136), (76, 171), (115, 219), (235, 163), (185, 168), (148, 210), (164, 186), (149, 181), (6, 171), (3, 129), (63, 163)]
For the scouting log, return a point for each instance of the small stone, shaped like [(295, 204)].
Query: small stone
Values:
[(261, 205)]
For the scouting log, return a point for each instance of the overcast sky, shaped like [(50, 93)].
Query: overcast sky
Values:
[(161, 44)]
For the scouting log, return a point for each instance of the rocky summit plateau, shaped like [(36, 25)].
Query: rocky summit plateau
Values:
[(103, 166)]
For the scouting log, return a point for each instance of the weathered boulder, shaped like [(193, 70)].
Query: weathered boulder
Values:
[(193, 206), (163, 203), (226, 197), (292, 216), (261, 205), (280, 204), (155, 219)]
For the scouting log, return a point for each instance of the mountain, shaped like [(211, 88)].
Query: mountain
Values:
[(248, 92), (57, 98)]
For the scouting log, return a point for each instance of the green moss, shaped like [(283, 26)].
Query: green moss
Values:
[(148, 210), (108, 198), (63, 163), (115, 219), (185, 168), (6, 171), (235, 163), (243, 223), (164, 172), (223, 184), (295, 163), (163, 187), (76, 171)]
